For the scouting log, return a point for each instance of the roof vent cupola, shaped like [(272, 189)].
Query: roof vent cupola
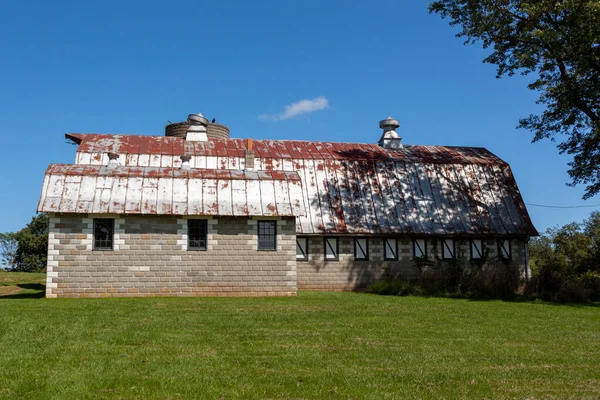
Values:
[(197, 129), (390, 138)]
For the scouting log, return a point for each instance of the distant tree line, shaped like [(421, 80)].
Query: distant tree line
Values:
[(565, 262), (27, 249)]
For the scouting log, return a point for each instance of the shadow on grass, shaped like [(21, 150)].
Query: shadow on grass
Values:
[(28, 291)]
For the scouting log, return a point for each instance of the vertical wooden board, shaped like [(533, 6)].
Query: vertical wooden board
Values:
[(451, 193), (421, 212), (267, 197), (444, 212), (357, 207), (477, 223), (282, 198), (335, 199), (195, 197), (97, 159), (224, 197), (85, 158), (180, 196), (287, 164), (132, 160), (166, 161), (395, 226), (382, 224), (296, 199), (364, 192), (511, 199), (351, 216), (211, 162), (238, 193), (323, 193), (144, 160), (118, 193), (492, 202), (68, 202), (56, 185), (198, 162), (209, 195), (397, 197), (44, 192), (155, 160), (165, 196), (149, 195), (477, 192), (88, 188), (259, 164), (314, 202), (253, 197), (305, 222), (133, 198)]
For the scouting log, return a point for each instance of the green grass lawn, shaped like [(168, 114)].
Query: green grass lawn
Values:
[(317, 345)]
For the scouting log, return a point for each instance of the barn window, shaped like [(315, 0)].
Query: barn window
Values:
[(390, 249), (302, 248), (419, 247), (104, 231), (331, 249), (476, 249), (504, 250), (448, 249), (361, 249), (267, 235), (197, 233)]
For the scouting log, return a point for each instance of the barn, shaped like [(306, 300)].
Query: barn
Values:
[(198, 213)]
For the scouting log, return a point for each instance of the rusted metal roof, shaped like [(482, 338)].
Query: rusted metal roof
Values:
[(170, 191), (352, 188)]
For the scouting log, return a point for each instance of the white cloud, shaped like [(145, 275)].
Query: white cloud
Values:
[(300, 107)]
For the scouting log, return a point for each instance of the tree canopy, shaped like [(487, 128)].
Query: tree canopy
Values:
[(26, 250), (558, 41)]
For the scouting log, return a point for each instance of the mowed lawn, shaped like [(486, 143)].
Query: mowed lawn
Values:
[(316, 345)]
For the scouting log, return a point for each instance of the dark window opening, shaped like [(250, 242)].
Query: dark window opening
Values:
[(267, 235), (302, 248), (361, 249), (420, 248), (332, 252), (504, 249), (390, 249), (104, 231), (197, 234)]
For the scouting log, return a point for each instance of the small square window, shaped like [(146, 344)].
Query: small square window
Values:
[(104, 231), (476, 249), (267, 235), (390, 249), (331, 249), (448, 249), (420, 248), (361, 249), (504, 249), (301, 248), (197, 234)]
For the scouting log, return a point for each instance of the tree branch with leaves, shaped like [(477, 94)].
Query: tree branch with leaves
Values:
[(559, 42)]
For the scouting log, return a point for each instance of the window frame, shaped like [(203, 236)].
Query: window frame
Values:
[(258, 234), (95, 247), (366, 250), (500, 255), (395, 252), (336, 251), (472, 241), (189, 242), (415, 240), (305, 258), (453, 253)]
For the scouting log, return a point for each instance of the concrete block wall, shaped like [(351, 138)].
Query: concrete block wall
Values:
[(150, 258), (350, 274)]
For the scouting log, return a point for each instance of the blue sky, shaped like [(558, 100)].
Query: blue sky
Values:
[(128, 67)]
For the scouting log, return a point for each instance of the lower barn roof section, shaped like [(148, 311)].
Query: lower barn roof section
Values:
[(170, 191)]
